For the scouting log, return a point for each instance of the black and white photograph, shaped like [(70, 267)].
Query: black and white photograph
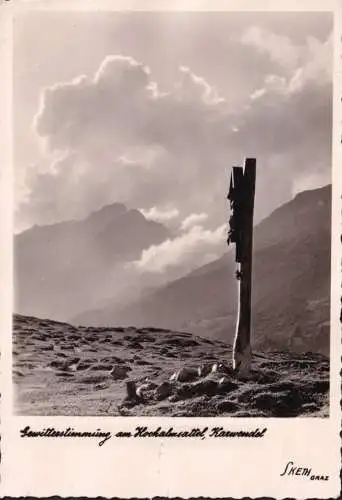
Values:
[(172, 225), (170, 274)]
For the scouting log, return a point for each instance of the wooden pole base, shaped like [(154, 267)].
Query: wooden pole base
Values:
[(242, 360)]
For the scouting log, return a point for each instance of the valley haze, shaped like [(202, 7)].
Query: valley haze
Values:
[(66, 267)]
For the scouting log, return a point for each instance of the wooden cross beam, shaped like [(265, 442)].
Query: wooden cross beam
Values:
[(241, 196)]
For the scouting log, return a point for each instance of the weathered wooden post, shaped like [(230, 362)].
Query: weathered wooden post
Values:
[(241, 197)]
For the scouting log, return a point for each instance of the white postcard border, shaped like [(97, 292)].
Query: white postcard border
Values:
[(124, 468)]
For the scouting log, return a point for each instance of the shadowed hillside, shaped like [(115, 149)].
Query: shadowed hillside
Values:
[(64, 268)]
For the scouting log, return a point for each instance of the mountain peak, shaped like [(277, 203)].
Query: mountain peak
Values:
[(112, 210), (321, 193)]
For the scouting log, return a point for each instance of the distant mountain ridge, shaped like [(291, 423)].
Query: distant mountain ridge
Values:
[(291, 285), (69, 266)]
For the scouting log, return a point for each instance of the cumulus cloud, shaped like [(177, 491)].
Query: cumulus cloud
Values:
[(280, 48), (302, 63), (193, 220), (317, 68), (294, 114), (191, 87), (117, 136), (160, 215), (121, 139), (190, 250)]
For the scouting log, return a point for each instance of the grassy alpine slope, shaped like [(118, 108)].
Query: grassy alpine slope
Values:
[(60, 369)]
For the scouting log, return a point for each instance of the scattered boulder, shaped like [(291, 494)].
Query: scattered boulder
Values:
[(83, 365), (227, 406), (151, 385), (185, 374), (61, 354), (221, 368), (267, 377), (265, 401), (226, 385), (144, 389), (206, 386), (185, 391), (173, 398), (131, 391), (134, 395), (204, 369), (279, 404), (163, 390), (119, 372), (141, 391), (100, 387), (292, 399), (215, 367)]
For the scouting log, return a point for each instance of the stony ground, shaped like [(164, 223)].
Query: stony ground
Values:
[(60, 369)]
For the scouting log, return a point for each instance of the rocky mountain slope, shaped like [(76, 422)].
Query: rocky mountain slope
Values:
[(63, 370), (67, 267), (291, 286)]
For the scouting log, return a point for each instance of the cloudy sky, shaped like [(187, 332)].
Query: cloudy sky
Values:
[(152, 109)]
